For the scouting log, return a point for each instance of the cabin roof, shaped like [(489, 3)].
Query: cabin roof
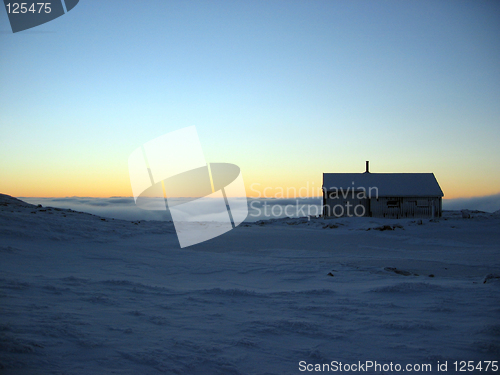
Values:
[(388, 184)]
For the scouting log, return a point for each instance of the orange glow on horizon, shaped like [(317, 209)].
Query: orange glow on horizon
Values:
[(111, 183)]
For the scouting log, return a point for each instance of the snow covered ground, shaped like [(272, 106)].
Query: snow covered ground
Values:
[(81, 294)]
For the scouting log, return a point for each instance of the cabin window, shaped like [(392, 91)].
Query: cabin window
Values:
[(422, 203)]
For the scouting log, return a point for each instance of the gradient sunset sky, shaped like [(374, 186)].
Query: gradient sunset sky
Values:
[(286, 90)]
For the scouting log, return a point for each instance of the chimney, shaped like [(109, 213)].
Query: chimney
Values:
[(367, 167)]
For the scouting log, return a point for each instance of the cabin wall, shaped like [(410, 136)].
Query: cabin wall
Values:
[(346, 204), (403, 207), (389, 207)]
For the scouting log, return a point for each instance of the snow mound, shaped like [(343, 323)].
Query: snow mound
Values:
[(409, 325), (491, 278), (399, 271), (232, 292), (24, 220), (408, 288), (7, 200)]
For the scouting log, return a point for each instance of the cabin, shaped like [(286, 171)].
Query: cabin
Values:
[(389, 195)]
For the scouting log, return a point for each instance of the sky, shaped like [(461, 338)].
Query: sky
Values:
[(286, 90)]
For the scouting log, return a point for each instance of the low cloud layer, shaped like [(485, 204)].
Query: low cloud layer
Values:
[(118, 208), (489, 203), (258, 209)]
